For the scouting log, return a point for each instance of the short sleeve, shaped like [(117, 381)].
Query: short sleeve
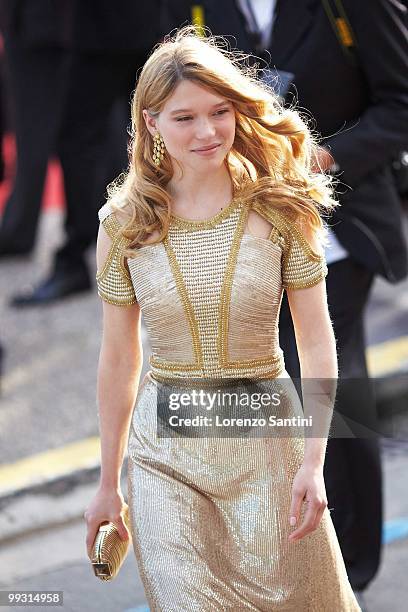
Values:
[(301, 266), (113, 281)]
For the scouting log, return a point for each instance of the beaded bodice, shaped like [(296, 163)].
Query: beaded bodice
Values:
[(210, 293)]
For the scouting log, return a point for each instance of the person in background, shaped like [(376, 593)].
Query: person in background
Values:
[(109, 45), (349, 71), (37, 38), (362, 113)]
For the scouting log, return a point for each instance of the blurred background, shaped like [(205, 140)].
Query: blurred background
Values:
[(67, 70)]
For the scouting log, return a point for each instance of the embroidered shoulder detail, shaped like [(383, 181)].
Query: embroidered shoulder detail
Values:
[(114, 282), (104, 211), (276, 237), (301, 266), (109, 221)]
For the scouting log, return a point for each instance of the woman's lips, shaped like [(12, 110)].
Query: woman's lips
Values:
[(206, 150)]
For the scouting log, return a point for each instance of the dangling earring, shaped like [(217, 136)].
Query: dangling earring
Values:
[(158, 148)]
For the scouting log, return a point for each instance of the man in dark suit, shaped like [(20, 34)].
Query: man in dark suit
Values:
[(37, 38), (358, 96), (110, 44)]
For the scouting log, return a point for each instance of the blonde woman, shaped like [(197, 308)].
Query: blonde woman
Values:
[(218, 214)]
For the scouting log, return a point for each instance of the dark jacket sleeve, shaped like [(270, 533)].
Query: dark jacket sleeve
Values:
[(381, 32)]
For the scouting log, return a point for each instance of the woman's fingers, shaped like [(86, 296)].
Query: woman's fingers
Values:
[(295, 506), (91, 535), (307, 522), (319, 515), (122, 529), (93, 524), (311, 520)]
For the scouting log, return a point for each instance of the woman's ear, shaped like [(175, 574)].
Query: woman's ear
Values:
[(150, 122)]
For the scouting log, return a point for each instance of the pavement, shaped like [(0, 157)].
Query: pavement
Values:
[(49, 446)]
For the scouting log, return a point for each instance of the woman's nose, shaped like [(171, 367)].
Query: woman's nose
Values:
[(205, 128)]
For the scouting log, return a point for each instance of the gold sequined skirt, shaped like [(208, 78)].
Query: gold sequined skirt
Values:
[(210, 522)]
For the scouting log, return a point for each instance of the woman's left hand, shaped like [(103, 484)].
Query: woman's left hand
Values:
[(308, 486)]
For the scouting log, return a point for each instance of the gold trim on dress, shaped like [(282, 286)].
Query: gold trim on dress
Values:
[(191, 224), (225, 297), (290, 235), (276, 218), (224, 367), (197, 381), (225, 301), (188, 308), (114, 282)]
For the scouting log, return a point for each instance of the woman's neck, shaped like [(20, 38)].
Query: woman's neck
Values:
[(201, 192)]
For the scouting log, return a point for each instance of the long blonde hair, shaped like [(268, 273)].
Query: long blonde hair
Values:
[(270, 160)]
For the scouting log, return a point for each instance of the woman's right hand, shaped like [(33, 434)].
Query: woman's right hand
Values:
[(108, 505)]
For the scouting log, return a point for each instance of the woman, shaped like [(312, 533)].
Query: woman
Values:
[(219, 212)]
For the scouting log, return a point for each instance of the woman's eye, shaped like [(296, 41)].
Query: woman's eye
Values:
[(217, 114)]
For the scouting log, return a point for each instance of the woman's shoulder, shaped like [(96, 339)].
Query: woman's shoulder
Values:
[(291, 227), (113, 217), (104, 212), (113, 277), (280, 217)]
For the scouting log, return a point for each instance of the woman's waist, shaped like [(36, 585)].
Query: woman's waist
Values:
[(214, 374)]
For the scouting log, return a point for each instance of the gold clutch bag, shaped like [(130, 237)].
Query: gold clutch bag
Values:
[(109, 550)]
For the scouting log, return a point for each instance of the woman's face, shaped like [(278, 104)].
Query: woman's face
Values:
[(197, 126)]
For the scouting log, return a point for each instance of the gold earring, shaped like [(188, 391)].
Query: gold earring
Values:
[(158, 148)]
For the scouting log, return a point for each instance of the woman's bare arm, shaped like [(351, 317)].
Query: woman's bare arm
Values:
[(119, 367), (316, 346), (120, 363), (318, 363)]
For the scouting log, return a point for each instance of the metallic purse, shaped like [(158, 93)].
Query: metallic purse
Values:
[(109, 550)]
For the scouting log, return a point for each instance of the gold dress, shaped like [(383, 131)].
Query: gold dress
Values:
[(210, 515)]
